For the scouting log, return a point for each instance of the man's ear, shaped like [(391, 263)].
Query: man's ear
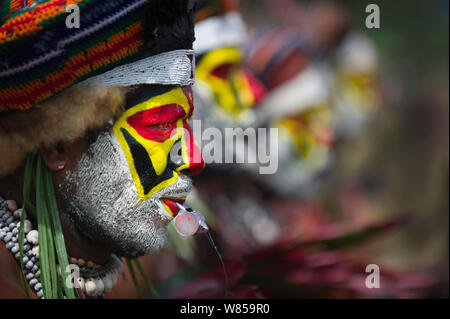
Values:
[(54, 157)]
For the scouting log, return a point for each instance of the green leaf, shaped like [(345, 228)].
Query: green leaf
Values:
[(153, 291), (28, 177), (211, 241), (179, 279), (58, 235), (133, 277), (44, 233)]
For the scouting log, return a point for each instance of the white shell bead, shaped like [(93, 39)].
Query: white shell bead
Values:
[(107, 282), (81, 262), (17, 213), (73, 260), (33, 237), (90, 264), (35, 251), (11, 205), (90, 287), (27, 226), (113, 279), (100, 286)]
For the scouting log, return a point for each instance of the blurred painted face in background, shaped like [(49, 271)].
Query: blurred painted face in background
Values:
[(357, 95), (310, 133), (305, 144), (298, 105), (234, 91), (124, 191)]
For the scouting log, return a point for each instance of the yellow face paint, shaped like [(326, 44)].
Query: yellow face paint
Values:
[(361, 89), (234, 88), (148, 133), (310, 132)]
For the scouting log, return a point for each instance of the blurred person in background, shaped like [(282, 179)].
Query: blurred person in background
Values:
[(294, 247), (348, 57), (298, 104), (226, 91), (321, 86)]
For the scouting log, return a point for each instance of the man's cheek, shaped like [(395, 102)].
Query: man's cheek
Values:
[(159, 153)]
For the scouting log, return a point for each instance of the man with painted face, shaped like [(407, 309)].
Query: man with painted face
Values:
[(348, 56), (104, 109), (297, 104), (226, 92)]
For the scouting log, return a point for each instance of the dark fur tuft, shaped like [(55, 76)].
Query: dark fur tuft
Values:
[(170, 25)]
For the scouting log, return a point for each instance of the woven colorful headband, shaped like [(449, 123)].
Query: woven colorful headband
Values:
[(40, 56)]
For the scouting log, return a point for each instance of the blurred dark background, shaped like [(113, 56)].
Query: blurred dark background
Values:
[(401, 161)]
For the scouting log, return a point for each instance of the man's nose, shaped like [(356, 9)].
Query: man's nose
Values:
[(192, 162)]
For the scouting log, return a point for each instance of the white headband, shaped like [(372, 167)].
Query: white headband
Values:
[(306, 90), (219, 32), (167, 68)]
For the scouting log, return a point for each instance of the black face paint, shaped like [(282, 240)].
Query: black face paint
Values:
[(144, 166), (144, 93)]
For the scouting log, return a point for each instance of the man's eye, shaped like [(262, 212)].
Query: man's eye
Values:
[(160, 126)]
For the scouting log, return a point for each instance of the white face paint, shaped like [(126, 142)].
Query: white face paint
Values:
[(102, 204)]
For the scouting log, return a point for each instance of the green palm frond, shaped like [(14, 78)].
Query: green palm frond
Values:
[(152, 289), (52, 248), (133, 277)]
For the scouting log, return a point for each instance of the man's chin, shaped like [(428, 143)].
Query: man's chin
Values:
[(131, 243), (138, 249)]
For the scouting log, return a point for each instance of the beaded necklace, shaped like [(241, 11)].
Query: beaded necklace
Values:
[(91, 280)]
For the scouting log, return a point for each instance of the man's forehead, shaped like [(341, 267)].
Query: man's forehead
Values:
[(159, 100), (145, 92)]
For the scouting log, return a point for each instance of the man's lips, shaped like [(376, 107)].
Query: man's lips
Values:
[(170, 203)]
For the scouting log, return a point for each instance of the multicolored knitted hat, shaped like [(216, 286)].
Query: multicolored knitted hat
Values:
[(118, 43)]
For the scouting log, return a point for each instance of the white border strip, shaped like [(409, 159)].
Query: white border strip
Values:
[(167, 68)]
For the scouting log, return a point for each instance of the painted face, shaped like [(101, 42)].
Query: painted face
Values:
[(234, 88), (356, 100), (158, 142), (361, 89), (310, 133)]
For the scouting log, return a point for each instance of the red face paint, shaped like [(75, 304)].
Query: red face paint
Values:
[(158, 123), (187, 91), (195, 157), (170, 202)]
